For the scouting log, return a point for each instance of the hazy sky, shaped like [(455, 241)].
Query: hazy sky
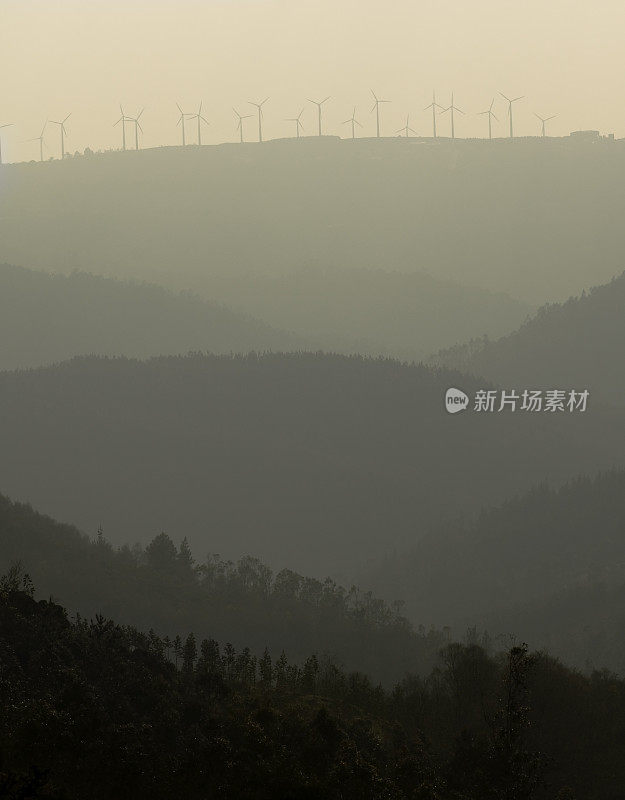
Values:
[(85, 56)]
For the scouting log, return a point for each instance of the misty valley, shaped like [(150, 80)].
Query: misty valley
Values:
[(261, 537)]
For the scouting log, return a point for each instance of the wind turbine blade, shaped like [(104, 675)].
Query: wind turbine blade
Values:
[(373, 107), (140, 112), (373, 93), (548, 118), (493, 116), (179, 109), (412, 130), (358, 123), (505, 98), (204, 120), (491, 104), (325, 100), (66, 118), (518, 98), (459, 109)]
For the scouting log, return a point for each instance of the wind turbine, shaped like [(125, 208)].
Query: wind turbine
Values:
[(123, 119), (259, 106), (63, 133), (181, 119), (353, 122), (298, 122), (544, 121), (491, 116), (376, 108), (7, 125), (407, 129), (319, 104), (452, 108), (200, 119), (241, 118), (40, 140), (510, 110), (433, 105), (137, 126)]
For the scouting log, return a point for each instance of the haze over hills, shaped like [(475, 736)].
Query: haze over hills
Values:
[(578, 343), (316, 462), (371, 312), (506, 215), (49, 318), (547, 566)]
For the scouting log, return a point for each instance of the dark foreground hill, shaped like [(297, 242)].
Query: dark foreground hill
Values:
[(548, 566), (162, 587), (92, 709), (523, 216), (316, 462), (49, 318), (578, 343)]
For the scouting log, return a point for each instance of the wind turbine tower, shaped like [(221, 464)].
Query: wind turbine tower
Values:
[(452, 108), (491, 116), (40, 140), (200, 119), (181, 119), (7, 125), (137, 126), (544, 123), (434, 105), (63, 133), (376, 108), (123, 119), (407, 130), (298, 122), (319, 105), (259, 106), (353, 122), (509, 101), (240, 125)]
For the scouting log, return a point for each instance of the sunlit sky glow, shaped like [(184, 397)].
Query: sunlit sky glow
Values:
[(62, 56)]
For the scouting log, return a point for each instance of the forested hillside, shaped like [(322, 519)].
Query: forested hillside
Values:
[(313, 462), (164, 588), (99, 710), (507, 216), (49, 318), (548, 566), (577, 343)]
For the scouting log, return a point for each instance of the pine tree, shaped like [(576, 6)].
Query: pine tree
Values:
[(265, 668), (189, 654)]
